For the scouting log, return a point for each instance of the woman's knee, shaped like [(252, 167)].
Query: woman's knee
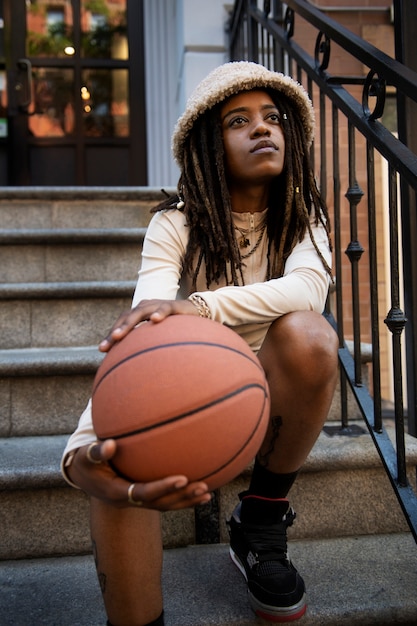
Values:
[(304, 341)]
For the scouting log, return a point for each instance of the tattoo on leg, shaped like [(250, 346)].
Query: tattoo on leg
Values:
[(102, 581), (276, 423), (101, 577)]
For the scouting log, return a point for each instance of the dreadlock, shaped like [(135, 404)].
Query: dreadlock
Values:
[(203, 185)]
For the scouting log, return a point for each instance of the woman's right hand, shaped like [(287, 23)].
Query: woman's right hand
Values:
[(91, 472), (147, 310)]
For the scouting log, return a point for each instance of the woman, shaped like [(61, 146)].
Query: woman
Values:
[(246, 243)]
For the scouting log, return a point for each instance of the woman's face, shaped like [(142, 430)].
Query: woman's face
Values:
[(253, 138)]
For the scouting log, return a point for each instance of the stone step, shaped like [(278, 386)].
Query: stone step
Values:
[(44, 390), (352, 581), (341, 489), (77, 207), (59, 236), (40, 515), (66, 290), (34, 315), (110, 258)]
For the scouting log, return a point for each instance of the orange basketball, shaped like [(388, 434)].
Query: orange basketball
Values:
[(183, 396)]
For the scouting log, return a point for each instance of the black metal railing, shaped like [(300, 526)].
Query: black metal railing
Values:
[(376, 172)]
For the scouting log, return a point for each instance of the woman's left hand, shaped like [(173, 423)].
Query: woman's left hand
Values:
[(146, 310)]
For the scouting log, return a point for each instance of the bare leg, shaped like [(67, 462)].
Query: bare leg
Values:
[(128, 552), (299, 356)]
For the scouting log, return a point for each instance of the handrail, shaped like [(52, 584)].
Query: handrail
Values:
[(389, 146), (394, 72)]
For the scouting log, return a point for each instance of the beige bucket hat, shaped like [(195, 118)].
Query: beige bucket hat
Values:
[(232, 78)]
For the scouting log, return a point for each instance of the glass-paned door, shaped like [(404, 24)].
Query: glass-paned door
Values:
[(75, 74)]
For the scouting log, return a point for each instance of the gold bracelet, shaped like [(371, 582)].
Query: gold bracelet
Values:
[(201, 305), (69, 458)]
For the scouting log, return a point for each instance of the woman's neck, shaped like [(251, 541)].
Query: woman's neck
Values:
[(249, 200)]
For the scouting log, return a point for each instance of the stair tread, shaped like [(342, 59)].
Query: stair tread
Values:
[(55, 236), (66, 289), (49, 361), (91, 193), (31, 462), (26, 462), (354, 580)]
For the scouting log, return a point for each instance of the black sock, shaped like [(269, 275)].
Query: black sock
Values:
[(158, 622), (268, 484), (265, 502)]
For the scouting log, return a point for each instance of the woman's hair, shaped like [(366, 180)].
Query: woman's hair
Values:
[(203, 188)]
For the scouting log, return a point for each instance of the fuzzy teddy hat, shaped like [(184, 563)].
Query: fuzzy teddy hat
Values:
[(232, 78)]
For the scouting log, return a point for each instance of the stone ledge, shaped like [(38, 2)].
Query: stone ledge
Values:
[(31, 462), (82, 193), (354, 581), (66, 290), (57, 236), (49, 361)]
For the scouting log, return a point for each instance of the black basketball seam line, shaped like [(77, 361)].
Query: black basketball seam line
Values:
[(172, 420), (218, 469), (171, 345)]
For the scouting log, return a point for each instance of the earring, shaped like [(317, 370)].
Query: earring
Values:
[(180, 203)]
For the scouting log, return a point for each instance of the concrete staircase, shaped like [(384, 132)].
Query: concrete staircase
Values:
[(68, 265)]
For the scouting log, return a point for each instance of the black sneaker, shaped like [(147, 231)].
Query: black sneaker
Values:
[(276, 590)]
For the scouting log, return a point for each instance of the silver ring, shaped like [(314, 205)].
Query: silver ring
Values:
[(88, 453), (130, 496)]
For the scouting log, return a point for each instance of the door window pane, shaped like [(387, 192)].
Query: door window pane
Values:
[(104, 32), (104, 96), (51, 113), (49, 28)]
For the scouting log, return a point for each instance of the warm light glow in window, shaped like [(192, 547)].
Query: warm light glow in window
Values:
[(85, 94)]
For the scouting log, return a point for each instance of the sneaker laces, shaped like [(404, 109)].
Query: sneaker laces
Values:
[(269, 544)]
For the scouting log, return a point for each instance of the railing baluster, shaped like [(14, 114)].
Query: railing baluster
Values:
[(323, 148), (354, 251), (396, 321), (338, 259), (253, 43), (373, 277)]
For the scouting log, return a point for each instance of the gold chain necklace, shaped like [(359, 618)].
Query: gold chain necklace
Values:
[(244, 241), (256, 246)]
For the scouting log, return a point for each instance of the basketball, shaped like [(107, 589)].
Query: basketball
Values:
[(183, 396)]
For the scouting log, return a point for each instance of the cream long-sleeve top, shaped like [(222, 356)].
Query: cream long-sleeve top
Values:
[(249, 308)]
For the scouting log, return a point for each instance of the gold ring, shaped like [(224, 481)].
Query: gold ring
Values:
[(88, 453), (130, 496)]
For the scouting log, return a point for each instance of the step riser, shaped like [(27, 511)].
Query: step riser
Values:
[(47, 323), (335, 504), (39, 214), (46, 405), (71, 263), (55, 521)]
